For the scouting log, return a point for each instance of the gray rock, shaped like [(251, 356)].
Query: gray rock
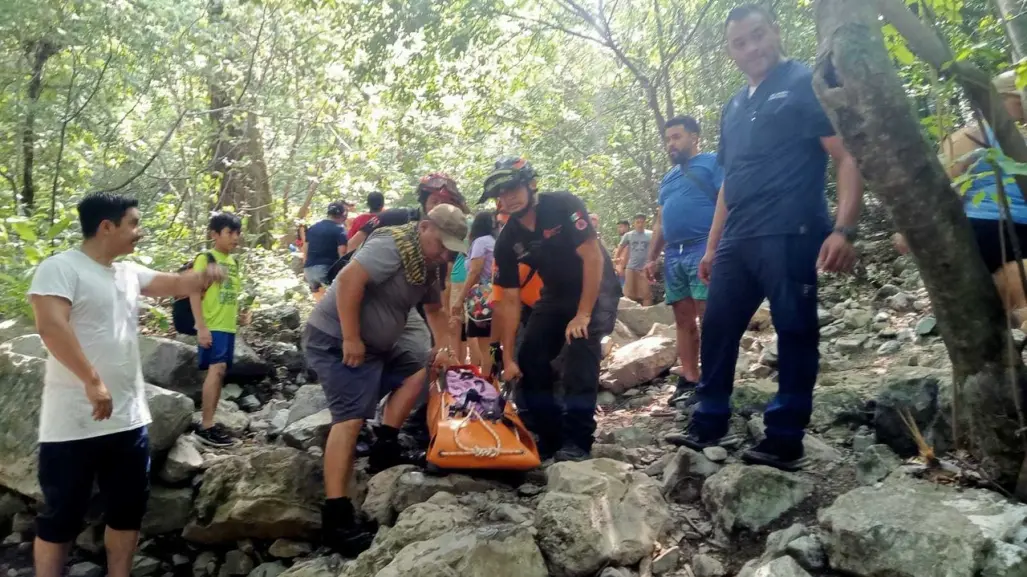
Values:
[(269, 493), (926, 326), (415, 487), (886, 291), (850, 345), (183, 461), (1019, 338), (285, 355), (205, 564), (606, 399), (857, 318), (228, 415), (824, 317), (684, 475), (10, 505), (288, 549), (496, 551), (926, 395), (640, 320), (143, 566), (231, 392), (89, 540), (249, 403), (236, 563), (276, 317), (617, 572), (704, 565), (808, 550), (318, 567), (268, 570), (1006, 561), (830, 331), (715, 454), (85, 569), (634, 513), (889, 348), (310, 431), (381, 491), (29, 345), (752, 497), (247, 364), (309, 399), (900, 303), (907, 528), (863, 439), (781, 567), (168, 510), (667, 561), (662, 330), (638, 363), (20, 378), (631, 438), (876, 463), (170, 364), (12, 539), (607, 451)]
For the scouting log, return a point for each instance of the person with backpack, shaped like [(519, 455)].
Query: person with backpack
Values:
[(365, 342), (326, 243), (688, 198), (475, 295), (553, 234), (216, 312), (94, 416)]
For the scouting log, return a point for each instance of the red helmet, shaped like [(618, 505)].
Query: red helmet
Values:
[(442, 184)]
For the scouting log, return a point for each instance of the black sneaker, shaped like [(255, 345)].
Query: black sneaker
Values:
[(784, 456), (695, 441), (571, 453), (341, 532), (387, 454), (216, 436), (682, 391)]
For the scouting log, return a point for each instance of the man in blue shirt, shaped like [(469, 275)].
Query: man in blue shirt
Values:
[(770, 234), (326, 242), (688, 199)]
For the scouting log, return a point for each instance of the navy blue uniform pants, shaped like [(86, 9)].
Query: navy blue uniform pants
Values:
[(782, 269)]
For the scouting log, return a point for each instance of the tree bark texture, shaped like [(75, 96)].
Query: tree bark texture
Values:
[(865, 100), (1014, 18), (39, 52)]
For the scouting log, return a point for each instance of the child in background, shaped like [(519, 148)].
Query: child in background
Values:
[(217, 312)]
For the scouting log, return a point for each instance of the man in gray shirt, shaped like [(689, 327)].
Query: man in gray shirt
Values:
[(632, 268), (365, 340)]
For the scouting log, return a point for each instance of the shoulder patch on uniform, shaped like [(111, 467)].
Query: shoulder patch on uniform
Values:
[(581, 224), (778, 95)]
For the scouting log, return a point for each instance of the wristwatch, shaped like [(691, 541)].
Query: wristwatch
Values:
[(849, 232)]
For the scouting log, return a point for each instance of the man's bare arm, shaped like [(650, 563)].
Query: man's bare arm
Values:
[(509, 315), (850, 182), (656, 245), (184, 283), (358, 239), (53, 323), (352, 282), (438, 323)]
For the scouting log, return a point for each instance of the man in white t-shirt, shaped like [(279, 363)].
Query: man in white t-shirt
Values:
[(94, 416)]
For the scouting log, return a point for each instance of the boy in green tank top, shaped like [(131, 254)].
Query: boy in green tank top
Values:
[(217, 318)]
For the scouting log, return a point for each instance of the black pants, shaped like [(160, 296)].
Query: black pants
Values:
[(573, 423), (988, 241)]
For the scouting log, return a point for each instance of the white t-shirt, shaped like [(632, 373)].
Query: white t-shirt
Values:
[(105, 319)]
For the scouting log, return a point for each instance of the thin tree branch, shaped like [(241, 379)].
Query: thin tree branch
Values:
[(153, 157), (665, 68)]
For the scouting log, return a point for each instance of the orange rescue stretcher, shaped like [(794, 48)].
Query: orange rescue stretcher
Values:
[(464, 438)]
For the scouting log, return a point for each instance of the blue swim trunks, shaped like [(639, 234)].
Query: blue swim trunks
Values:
[(221, 350), (681, 273)]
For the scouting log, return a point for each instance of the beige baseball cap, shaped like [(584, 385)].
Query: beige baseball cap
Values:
[(1005, 83), (452, 222)]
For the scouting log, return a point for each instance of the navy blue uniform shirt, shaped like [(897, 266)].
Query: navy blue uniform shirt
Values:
[(323, 242), (774, 163)]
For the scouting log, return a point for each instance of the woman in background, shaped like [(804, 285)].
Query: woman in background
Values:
[(479, 274)]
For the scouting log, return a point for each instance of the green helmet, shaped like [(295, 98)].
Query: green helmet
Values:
[(508, 173)]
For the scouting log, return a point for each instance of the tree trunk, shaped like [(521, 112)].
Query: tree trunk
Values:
[(39, 51), (865, 100), (1014, 18), (261, 209)]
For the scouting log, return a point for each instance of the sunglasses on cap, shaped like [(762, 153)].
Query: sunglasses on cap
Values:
[(436, 182)]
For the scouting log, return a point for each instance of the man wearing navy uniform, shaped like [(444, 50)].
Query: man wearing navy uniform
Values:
[(771, 233)]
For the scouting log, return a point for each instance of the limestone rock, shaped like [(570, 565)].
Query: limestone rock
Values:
[(310, 431), (685, 473), (236, 563), (876, 463), (781, 567), (270, 493), (381, 491), (633, 511), (318, 567), (907, 528), (247, 364), (29, 345), (638, 363), (631, 437), (168, 510), (170, 364), (640, 320), (172, 412), (309, 399), (85, 569), (667, 561), (143, 566), (498, 551), (926, 394), (268, 570), (414, 487), (183, 461), (707, 566), (288, 549), (285, 355), (228, 415), (752, 497)]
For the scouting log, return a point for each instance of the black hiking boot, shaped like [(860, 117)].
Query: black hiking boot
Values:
[(777, 454), (697, 441), (571, 453), (683, 391), (387, 452), (215, 436), (340, 530)]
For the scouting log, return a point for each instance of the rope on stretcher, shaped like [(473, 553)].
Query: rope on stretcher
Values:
[(478, 451)]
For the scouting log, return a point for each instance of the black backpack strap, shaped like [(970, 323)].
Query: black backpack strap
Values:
[(531, 275), (706, 187)]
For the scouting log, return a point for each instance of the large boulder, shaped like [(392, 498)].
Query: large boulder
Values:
[(285, 355), (908, 528), (310, 431), (247, 365), (495, 551), (21, 379), (381, 491), (29, 345), (170, 364), (183, 461), (167, 510), (639, 362), (269, 493), (640, 320), (685, 474), (316, 567), (598, 513), (752, 497), (414, 487), (926, 396)]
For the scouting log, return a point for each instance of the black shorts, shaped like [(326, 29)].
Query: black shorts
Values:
[(119, 463), (475, 331), (988, 242)]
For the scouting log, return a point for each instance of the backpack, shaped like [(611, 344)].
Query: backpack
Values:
[(181, 311), (336, 268)]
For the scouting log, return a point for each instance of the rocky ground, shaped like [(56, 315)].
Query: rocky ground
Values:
[(864, 506)]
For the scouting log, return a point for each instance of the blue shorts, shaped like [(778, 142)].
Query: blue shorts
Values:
[(681, 273), (119, 463), (221, 350)]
